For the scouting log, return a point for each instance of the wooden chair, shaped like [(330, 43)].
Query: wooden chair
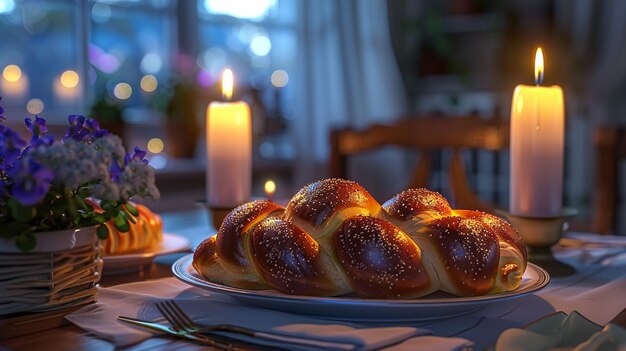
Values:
[(610, 147), (426, 134)]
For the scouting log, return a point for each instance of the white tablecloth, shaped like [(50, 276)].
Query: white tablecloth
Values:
[(597, 291)]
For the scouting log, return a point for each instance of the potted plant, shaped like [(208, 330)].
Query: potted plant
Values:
[(49, 229), (181, 125), (108, 113)]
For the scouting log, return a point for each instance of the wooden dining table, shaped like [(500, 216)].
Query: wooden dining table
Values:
[(196, 225)]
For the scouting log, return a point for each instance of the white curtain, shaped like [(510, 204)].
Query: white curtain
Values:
[(597, 31), (349, 78)]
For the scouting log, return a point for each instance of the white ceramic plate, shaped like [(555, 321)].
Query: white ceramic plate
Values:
[(134, 261), (434, 306)]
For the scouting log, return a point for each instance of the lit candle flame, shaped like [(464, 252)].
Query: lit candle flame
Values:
[(227, 84), (270, 188), (539, 66)]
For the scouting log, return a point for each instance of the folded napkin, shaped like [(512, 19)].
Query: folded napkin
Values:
[(590, 249), (138, 300), (563, 332)]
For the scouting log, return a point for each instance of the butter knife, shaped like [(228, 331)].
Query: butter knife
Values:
[(199, 339)]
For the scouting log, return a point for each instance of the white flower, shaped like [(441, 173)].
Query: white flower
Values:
[(75, 165), (138, 180)]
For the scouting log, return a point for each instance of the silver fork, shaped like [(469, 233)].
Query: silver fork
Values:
[(179, 319)]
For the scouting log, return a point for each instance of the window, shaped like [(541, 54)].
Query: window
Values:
[(42, 58), (257, 39), (131, 48), (64, 56)]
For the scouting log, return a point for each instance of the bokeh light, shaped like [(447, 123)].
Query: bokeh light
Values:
[(7, 6), (204, 78), (149, 83), (122, 91), (155, 145), (35, 106), (70, 79), (12, 73), (250, 9), (158, 161), (279, 78), (270, 187), (261, 45), (151, 63), (105, 62), (101, 13)]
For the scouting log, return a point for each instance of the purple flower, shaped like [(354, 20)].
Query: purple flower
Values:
[(39, 128), (32, 181), (75, 130), (11, 145), (83, 129), (2, 118), (138, 155), (4, 193), (116, 171)]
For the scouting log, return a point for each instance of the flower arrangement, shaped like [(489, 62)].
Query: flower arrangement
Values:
[(84, 179)]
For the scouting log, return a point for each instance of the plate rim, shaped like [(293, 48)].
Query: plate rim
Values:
[(185, 244), (181, 265)]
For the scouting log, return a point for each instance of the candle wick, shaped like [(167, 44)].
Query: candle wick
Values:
[(539, 78)]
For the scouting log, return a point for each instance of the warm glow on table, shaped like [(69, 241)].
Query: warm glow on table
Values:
[(537, 139), (229, 149)]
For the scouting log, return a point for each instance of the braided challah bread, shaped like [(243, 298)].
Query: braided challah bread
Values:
[(334, 238)]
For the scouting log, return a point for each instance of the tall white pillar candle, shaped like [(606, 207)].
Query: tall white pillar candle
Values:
[(229, 150), (537, 142)]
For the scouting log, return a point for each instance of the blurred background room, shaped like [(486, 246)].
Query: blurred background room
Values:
[(147, 69)]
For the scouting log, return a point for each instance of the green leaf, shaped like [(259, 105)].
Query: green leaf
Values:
[(128, 217), (21, 213), (83, 192), (26, 241), (82, 205), (100, 219), (103, 232), (12, 229), (121, 223), (59, 205), (132, 209), (107, 206)]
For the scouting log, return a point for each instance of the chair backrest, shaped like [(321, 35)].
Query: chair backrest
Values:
[(426, 134), (610, 147)]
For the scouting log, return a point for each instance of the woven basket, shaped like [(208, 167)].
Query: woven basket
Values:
[(62, 271)]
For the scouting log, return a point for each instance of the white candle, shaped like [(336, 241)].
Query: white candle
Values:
[(229, 150), (537, 138)]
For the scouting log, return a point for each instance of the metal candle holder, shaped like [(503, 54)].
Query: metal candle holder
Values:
[(540, 234)]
